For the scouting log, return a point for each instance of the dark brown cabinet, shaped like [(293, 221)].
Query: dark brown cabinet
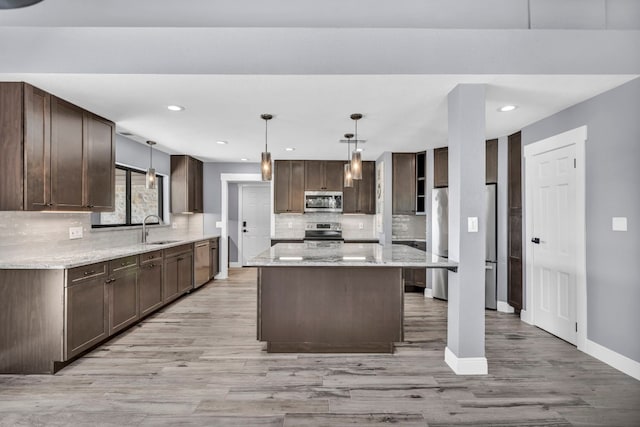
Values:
[(214, 263), (178, 271), (289, 186), (56, 156), (491, 162), (361, 198), (404, 184), (421, 182), (87, 305), (441, 167), (186, 185), (323, 175), (122, 287), (150, 282), (514, 225)]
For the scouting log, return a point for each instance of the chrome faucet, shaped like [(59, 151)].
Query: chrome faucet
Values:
[(145, 232)]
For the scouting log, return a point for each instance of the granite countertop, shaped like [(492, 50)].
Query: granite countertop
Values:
[(317, 254), (62, 260), (407, 239)]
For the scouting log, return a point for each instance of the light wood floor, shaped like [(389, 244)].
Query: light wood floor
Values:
[(197, 362)]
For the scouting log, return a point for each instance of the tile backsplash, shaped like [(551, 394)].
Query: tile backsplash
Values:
[(35, 233), (291, 226), (408, 227)]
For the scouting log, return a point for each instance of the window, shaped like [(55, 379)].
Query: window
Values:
[(133, 201)]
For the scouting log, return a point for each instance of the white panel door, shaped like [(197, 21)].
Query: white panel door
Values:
[(255, 221), (553, 238)]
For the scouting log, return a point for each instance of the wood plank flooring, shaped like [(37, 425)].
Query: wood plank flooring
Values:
[(197, 362)]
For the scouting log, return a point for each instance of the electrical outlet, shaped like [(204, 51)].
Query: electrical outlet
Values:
[(289, 225), (360, 226), (75, 232), (174, 225)]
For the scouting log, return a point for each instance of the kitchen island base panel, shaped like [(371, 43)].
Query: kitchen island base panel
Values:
[(338, 309)]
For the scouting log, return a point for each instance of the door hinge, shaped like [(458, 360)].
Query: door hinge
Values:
[(574, 163)]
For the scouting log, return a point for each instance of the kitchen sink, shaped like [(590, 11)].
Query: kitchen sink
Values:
[(163, 242)]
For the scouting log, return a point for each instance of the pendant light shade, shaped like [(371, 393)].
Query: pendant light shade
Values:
[(150, 181), (356, 158), (265, 164), (348, 179)]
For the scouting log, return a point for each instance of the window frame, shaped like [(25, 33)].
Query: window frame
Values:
[(128, 223)]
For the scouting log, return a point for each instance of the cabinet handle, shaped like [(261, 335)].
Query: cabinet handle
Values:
[(110, 281), (180, 259), (49, 204), (87, 273), (89, 206), (123, 263)]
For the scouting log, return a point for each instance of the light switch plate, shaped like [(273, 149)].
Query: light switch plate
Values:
[(174, 225), (75, 232), (472, 224), (619, 223), (360, 226), (289, 225)]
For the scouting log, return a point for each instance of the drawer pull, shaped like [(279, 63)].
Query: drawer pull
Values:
[(180, 259), (87, 273)]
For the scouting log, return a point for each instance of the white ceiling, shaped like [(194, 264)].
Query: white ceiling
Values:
[(229, 61)]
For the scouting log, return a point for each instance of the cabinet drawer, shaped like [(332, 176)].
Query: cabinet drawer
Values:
[(78, 274), (122, 263), (150, 256), (178, 250)]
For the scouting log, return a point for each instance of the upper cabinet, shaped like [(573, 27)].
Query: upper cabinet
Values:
[(421, 182), (186, 185), (289, 178), (361, 198), (441, 164), (404, 184), (323, 175), (56, 156)]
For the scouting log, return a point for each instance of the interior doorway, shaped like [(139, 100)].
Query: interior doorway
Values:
[(555, 235), (254, 203)]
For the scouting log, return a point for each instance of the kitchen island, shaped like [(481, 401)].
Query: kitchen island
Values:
[(335, 297)]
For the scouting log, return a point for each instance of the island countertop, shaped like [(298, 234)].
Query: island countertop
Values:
[(336, 254)]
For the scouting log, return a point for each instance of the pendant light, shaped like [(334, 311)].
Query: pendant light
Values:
[(150, 181), (356, 158), (348, 179), (265, 164)]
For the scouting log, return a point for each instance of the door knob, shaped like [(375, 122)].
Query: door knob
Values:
[(535, 240), (244, 230)]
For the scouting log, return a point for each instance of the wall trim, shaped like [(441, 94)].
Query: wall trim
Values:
[(525, 316), (504, 307), (235, 265), (466, 365), (614, 359), (578, 138), (428, 293)]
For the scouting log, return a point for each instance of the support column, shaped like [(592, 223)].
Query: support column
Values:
[(465, 322)]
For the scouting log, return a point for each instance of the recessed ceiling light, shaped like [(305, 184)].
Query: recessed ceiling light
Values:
[(175, 107), (290, 149), (222, 142), (506, 108), (244, 159)]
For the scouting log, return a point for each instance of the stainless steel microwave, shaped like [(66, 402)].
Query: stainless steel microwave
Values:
[(323, 201)]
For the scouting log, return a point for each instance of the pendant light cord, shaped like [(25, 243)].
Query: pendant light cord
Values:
[(266, 123), (356, 135)]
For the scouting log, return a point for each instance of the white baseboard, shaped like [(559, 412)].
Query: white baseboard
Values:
[(614, 359), (428, 293), (235, 264), (504, 307), (466, 365), (525, 316)]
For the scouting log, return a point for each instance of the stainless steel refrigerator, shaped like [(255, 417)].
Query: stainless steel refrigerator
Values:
[(440, 243)]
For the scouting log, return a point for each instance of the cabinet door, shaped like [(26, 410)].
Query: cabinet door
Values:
[(214, 262), (333, 175), (67, 135), (149, 287), (198, 205), (170, 284), (37, 148), (313, 175), (100, 161), (404, 184), (350, 202), (296, 187), (367, 189), (281, 173), (185, 272), (87, 315), (123, 299), (492, 161), (201, 265), (441, 167)]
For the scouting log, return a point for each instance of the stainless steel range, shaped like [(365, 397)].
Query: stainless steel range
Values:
[(323, 231)]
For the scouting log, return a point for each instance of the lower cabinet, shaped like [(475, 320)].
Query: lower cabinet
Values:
[(123, 299), (87, 320), (178, 271), (150, 286), (214, 263), (414, 277)]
